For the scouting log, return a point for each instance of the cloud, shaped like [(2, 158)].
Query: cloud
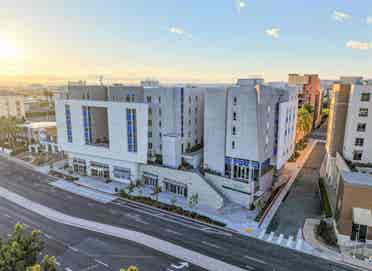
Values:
[(369, 20), (273, 32), (341, 16), (359, 45), (179, 31), (240, 5)]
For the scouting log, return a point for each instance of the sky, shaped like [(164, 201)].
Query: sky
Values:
[(183, 40)]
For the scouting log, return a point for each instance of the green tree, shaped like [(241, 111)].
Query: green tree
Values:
[(304, 122), (9, 130), (130, 268), (194, 200), (21, 250)]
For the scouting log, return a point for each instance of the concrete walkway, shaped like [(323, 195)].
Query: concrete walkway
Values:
[(83, 191), (292, 169), (99, 185), (302, 200), (144, 239)]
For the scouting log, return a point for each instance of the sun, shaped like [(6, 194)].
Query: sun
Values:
[(8, 49)]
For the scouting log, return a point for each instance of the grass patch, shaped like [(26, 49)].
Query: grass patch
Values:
[(326, 206)]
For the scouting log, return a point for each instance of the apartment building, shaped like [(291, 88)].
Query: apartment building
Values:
[(310, 93), (11, 105), (348, 164), (249, 131), (139, 134), (176, 111)]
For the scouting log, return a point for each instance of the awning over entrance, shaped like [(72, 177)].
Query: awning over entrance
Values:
[(362, 217)]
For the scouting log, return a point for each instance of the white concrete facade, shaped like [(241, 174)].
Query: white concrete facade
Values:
[(358, 130), (248, 127), (174, 110), (117, 152)]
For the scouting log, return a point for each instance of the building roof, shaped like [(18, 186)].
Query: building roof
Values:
[(357, 178), (362, 216), (38, 125)]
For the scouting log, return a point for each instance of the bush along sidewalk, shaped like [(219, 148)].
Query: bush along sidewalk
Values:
[(171, 208), (326, 207)]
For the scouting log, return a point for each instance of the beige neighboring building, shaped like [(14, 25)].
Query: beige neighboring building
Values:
[(11, 105), (347, 168)]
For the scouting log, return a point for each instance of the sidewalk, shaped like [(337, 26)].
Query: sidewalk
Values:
[(321, 250), (291, 171)]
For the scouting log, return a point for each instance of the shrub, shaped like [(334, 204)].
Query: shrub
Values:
[(326, 231), (326, 207)]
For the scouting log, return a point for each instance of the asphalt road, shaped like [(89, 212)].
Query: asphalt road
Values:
[(302, 201), (82, 250), (242, 251)]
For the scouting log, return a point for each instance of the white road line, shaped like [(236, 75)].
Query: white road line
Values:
[(101, 263), (255, 259), (58, 263), (73, 249), (172, 231), (8, 216), (210, 244), (48, 236), (68, 269), (249, 267)]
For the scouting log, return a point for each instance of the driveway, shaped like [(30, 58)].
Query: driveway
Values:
[(302, 201)]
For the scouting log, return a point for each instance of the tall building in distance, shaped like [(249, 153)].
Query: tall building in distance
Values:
[(11, 105), (309, 93), (249, 130)]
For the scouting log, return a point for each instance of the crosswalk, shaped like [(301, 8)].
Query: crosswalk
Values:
[(292, 242)]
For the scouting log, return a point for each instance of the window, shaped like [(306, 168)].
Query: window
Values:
[(159, 123), (150, 111), (182, 148), (161, 147), (196, 98), (359, 141), (233, 144), (358, 155), (365, 97), (87, 125), (189, 134), (122, 173), (150, 146), (363, 112), (159, 100), (234, 115), (189, 111), (127, 99), (159, 112), (190, 99), (132, 129), (150, 134), (361, 127), (234, 130), (235, 100), (68, 123), (150, 122), (160, 135), (148, 98)]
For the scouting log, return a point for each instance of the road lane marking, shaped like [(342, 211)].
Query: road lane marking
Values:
[(73, 249), (101, 263), (249, 267), (172, 231), (58, 263), (48, 236), (8, 216), (255, 259), (210, 244), (68, 269)]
